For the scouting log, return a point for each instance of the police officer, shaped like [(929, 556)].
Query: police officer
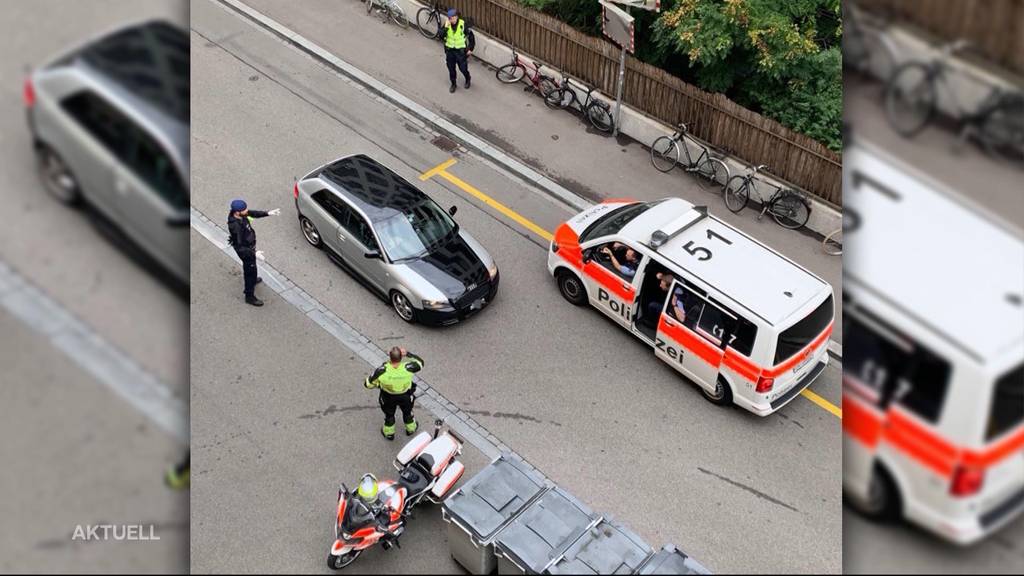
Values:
[(458, 46), (242, 238), (177, 477), (394, 379)]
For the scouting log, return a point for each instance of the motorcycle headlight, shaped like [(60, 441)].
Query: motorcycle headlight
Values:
[(493, 271), (435, 304)]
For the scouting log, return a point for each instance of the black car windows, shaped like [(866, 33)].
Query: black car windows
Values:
[(98, 117), (1007, 410), (152, 165), (798, 336), (338, 210), (362, 231)]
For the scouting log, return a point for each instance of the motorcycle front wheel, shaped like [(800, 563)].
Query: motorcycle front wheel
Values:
[(339, 562)]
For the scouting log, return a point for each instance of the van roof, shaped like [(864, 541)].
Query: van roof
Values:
[(934, 255), (759, 278)]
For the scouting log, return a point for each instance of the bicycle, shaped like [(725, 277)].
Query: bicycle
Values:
[(787, 206), (515, 71), (997, 122), (430, 20), (598, 112), (865, 46), (665, 156), (388, 9)]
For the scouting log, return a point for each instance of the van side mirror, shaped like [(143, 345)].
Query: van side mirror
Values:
[(588, 255), (453, 210)]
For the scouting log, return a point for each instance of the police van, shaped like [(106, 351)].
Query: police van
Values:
[(933, 338), (745, 323)]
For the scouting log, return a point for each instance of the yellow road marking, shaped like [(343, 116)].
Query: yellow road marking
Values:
[(442, 171), (835, 410)]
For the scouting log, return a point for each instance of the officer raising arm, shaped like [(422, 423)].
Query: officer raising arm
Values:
[(458, 46), (242, 238), (394, 379)]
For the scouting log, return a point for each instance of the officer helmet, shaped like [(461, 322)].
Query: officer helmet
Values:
[(367, 488)]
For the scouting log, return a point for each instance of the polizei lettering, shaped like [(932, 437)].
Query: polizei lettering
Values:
[(620, 308), (669, 351)]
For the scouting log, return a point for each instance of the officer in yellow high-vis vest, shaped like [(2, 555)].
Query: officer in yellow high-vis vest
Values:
[(458, 46), (394, 379)]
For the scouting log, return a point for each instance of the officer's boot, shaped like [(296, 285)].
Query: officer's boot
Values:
[(388, 432), (411, 427)]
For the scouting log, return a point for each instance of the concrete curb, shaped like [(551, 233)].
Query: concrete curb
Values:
[(91, 352), (428, 397)]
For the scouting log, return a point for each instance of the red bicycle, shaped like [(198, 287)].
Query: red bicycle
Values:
[(521, 67)]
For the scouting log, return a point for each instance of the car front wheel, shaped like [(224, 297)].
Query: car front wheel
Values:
[(403, 307)]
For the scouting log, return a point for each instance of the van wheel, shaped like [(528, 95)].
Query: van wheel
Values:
[(883, 502), (572, 288), (57, 177), (721, 395)]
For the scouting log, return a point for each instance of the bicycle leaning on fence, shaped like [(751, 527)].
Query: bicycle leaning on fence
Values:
[(787, 206), (665, 155), (519, 67), (598, 112), (388, 9), (997, 122), (430, 20)]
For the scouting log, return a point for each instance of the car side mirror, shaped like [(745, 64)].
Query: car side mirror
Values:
[(588, 255), (372, 255), (179, 220), (453, 210)]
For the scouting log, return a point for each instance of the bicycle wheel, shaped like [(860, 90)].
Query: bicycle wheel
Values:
[(599, 116), (714, 171), (664, 154), (833, 243), (547, 86), (369, 6), (1001, 131), (910, 98), (398, 15), (510, 73), (736, 193), (790, 210), (428, 22), (555, 99)]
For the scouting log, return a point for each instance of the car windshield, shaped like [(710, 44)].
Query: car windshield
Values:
[(615, 220), (415, 232)]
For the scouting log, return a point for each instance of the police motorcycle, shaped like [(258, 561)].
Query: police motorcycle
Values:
[(377, 510)]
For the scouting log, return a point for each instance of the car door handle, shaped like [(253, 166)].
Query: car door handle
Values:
[(626, 286), (669, 322)]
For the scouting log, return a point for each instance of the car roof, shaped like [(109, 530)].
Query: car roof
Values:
[(749, 272), (965, 284), (145, 65), (375, 189)]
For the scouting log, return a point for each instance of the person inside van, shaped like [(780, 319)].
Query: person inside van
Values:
[(624, 259), (685, 307), (658, 297)]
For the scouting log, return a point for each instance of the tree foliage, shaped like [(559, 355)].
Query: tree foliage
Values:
[(778, 57)]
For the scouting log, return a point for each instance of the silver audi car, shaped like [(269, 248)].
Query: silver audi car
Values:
[(110, 128), (396, 240)]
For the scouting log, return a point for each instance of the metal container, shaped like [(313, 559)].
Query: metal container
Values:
[(607, 548), (481, 508), (540, 535), (669, 560)]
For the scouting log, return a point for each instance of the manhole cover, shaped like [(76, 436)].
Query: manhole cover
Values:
[(444, 143)]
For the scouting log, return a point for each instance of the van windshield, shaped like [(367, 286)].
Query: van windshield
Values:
[(799, 335), (1007, 410), (615, 220)]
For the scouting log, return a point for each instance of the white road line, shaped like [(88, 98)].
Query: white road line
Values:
[(90, 351)]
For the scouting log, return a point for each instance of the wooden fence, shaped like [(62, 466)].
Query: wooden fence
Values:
[(797, 158), (995, 27)]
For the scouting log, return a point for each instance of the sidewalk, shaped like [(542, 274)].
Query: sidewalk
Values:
[(555, 143)]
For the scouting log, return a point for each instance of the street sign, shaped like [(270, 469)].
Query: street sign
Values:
[(617, 24), (654, 5)]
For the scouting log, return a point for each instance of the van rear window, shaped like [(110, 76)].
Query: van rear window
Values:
[(1007, 410), (799, 335)]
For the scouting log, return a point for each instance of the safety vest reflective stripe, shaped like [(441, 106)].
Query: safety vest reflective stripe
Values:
[(395, 379), (456, 37)]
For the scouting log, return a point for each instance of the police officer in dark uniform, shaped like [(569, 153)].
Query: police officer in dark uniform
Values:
[(394, 379), (242, 238), (458, 46)]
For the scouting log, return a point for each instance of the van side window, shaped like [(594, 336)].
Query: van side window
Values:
[(684, 305), (100, 119), (742, 332), (922, 390), (615, 256)]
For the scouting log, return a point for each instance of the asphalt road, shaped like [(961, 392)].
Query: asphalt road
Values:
[(82, 454), (579, 398), (894, 549)]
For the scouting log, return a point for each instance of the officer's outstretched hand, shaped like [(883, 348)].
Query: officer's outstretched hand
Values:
[(275, 212), (259, 254)]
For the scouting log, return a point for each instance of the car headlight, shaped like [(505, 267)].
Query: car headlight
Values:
[(493, 271), (435, 304)]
